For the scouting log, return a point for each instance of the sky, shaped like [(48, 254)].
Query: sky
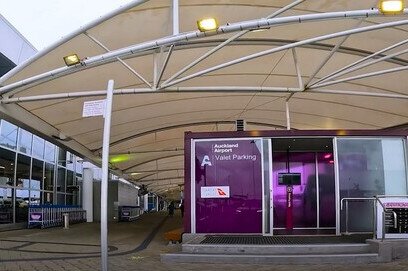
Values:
[(43, 22)]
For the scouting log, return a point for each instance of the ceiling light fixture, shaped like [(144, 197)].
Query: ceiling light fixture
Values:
[(391, 6), (71, 60), (207, 24)]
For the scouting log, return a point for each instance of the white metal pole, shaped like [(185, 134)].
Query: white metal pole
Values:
[(176, 27), (105, 173), (287, 115), (298, 73)]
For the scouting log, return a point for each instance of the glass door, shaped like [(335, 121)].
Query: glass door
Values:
[(306, 204)]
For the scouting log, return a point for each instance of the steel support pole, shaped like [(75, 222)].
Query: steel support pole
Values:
[(176, 27), (105, 173), (287, 115)]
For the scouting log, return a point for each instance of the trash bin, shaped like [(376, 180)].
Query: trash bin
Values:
[(66, 220)]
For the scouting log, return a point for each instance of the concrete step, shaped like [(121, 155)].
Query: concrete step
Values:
[(359, 258), (279, 249)]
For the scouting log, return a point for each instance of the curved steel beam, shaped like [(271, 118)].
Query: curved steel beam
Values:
[(285, 47), (166, 41), (241, 42)]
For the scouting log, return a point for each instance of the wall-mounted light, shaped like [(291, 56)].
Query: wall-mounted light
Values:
[(391, 6), (71, 60), (207, 24)]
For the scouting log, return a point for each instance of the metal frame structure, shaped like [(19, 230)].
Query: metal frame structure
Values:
[(164, 48)]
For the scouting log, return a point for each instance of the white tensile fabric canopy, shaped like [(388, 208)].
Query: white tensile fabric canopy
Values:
[(329, 64)]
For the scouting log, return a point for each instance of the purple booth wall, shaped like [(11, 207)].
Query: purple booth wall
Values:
[(233, 163)]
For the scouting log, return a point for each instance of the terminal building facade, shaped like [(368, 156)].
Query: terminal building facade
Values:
[(33, 170)]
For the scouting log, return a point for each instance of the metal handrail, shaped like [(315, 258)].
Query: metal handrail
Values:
[(376, 198), (354, 199)]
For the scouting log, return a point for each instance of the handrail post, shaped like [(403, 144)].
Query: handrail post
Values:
[(383, 226), (347, 205), (374, 220)]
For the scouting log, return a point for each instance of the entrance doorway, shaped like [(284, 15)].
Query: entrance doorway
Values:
[(310, 208)]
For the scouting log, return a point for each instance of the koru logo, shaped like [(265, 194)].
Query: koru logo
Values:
[(206, 161)]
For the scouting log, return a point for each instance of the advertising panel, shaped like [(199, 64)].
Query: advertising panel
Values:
[(228, 180)]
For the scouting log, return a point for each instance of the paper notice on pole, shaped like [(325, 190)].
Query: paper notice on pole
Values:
[(93, 108)]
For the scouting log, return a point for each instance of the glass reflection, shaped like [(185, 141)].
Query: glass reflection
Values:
[(49, 154), (37, 174), (49, 177), (22, 201), (8, 135), (369, 167), (6, 205), (35, 197), (327, 199), (48, 197), (7, 160), (38, 147), (24, 141), (23, 171)]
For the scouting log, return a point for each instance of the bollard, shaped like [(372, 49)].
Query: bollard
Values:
[(66, 220)]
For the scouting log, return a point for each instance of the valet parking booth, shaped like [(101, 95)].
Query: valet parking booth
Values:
[(296, 183)]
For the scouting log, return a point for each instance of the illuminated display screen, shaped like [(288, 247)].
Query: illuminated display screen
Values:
[(289, 179)]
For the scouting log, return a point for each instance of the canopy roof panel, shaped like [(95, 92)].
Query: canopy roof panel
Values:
[(336, 64)]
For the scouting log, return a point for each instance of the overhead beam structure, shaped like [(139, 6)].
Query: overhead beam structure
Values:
[(165, 79)]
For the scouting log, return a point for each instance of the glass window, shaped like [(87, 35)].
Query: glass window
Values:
[(77, 198), (22, 200), (327, 199), (8, 135), (48, 197), (35, 197), (7, 160), (62, 157), (369, 167), (49, 152), (37, 174), (61, 180), (70, 178), (70, 161), (78, 165), (24, 141), (23, 171), (49, 177), (61, 199), (6, 205), (70, 200), (38, 147), (394, 167)]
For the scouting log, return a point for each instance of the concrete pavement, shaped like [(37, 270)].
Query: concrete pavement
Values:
[(133, 246)]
